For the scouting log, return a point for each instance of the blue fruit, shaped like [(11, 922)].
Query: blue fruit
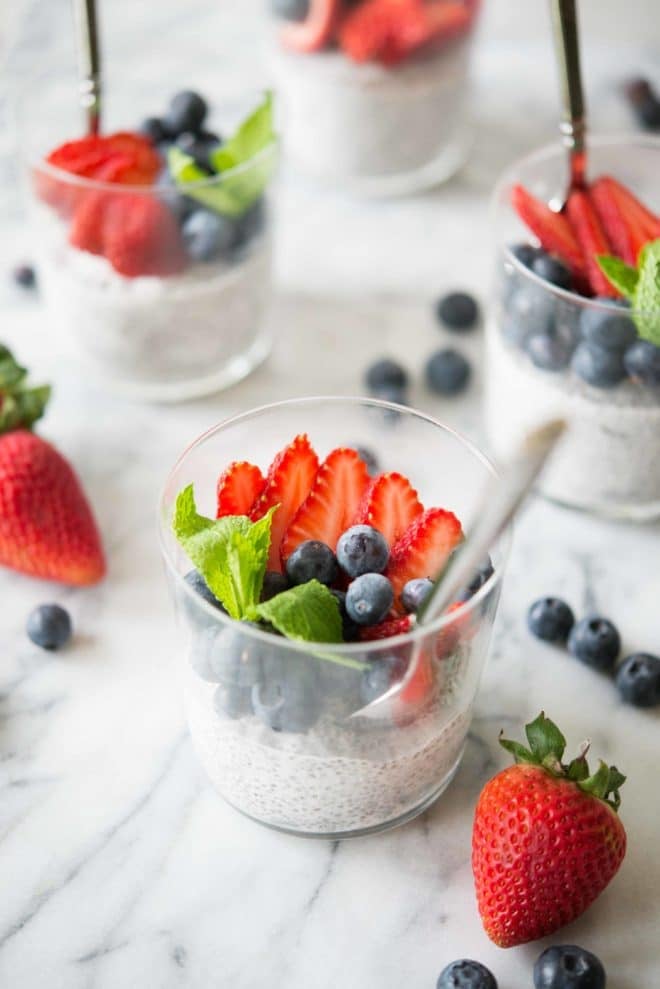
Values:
[(231, 701), (199, 147), (566, 966), (642, 362), (483, 574), (447, 372), (288, 697), (415, 593), (154, 130), (466, 974), (551, 270), (548, 351), (186, 112), (49, 626), (227, 655), (550, 619), (362, 549), (207, 235), (596, 642), (638, 680), (369, 598), (598, 367), (386, 374), (312, 560), (607, 329), (291, 10), (25, 276), (526, 254), (379, 677), (459, 311), (369, 458), (349, 628), (274, 583)]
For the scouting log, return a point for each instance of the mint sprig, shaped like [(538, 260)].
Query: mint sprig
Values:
[(641, 286), (309, 612), (236, 193)]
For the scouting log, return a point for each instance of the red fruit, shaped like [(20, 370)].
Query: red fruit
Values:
[(317, 30), (390, 504), (552, 229), (142, 161), (46, 525), (330, 507), (141, 237), (629, 225), (424, 548), (386, 629), (87, 231), (389, 31), (543, 845), (289, 481), (592, 238), (238, 488)]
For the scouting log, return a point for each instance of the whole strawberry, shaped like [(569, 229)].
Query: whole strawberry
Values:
[(46, 525), (547, 838)]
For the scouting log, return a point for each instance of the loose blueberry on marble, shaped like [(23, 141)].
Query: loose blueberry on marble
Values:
[(227, 655), (386, 374), (483, 574), (447, 372), (288, 697), (369, 458), (49, 626), (186, 112), (458, 311), (379, 677), (642, 362), (466, 974), (154, 130), (195, 580), (312, 560), (596, 642), (25, 276), (207, 235), (369, 598), (526, 253), (550, 619), (638, 680), (350, 628), (598, 367), (291, 10), (551, 270), (362, 549), (548, 351), (609, 330), (415, 593), (567, 966), (645, 102), (231, 701), (274, 583)]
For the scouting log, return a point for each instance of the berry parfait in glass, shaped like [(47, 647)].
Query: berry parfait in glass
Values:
[(375, 92), (315, 704), (574, 330), (153, 244)]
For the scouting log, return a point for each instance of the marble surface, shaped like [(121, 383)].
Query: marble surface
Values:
[(119, 866)]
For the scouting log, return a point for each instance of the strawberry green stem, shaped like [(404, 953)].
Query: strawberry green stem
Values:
[(20, 405)]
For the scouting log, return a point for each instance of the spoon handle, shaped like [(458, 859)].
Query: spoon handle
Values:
[(567, 50), (89, 62)]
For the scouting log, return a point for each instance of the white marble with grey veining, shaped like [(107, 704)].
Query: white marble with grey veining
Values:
[(119, 866)]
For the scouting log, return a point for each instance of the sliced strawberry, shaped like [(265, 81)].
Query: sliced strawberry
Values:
[(386, 629), (417, 690), (552, 229), (330, 507), (424, 548), (238, 488), (389, 31), (390, 504), (317, 30), (142, 237), (289, 481), (592, 239), (142, 161), (88, 223), (628, 224)]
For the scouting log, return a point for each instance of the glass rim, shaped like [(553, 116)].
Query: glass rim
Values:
[(349, 649), (555, 149)]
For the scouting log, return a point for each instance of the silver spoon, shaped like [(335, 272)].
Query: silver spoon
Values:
[(573, 126), (89, 62)]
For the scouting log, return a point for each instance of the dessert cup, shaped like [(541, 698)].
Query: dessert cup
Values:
[(609, 463), (161, 337), (350, 767)]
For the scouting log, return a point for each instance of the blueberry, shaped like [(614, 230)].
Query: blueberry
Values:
[(566, 966), (526, 254), (369, 598), (483, 574), (231, 701), (392, 394), (199, 585), (154, 130), (186, 112), (447, 372), (25, 276), (227, 655), (550, 619), (362, 549), (251, 223), (349, 628), (596, 642), (291, 10), (548, 351), (199, 147), (288, 697), (415, 593), (274, 583), (599, 368), (466, 974), (642, 362), (609, 330), (49, 626), (459, 311), (638, 680), (385, 374), (530, 310), (379, 677), (207, 235), (369, 458), (312, 560), (551, 270)]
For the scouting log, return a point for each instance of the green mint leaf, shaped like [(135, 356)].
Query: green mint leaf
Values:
[(308, 612), (619, 274), (545, 740), (186, 521), (646, 299)]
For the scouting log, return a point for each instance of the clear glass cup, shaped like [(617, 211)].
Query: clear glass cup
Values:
[(189, 328), (354, 762), (376, 130), (609, 462)]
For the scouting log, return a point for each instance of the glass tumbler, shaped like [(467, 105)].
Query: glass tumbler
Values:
[(609, 462), (383, 725)]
